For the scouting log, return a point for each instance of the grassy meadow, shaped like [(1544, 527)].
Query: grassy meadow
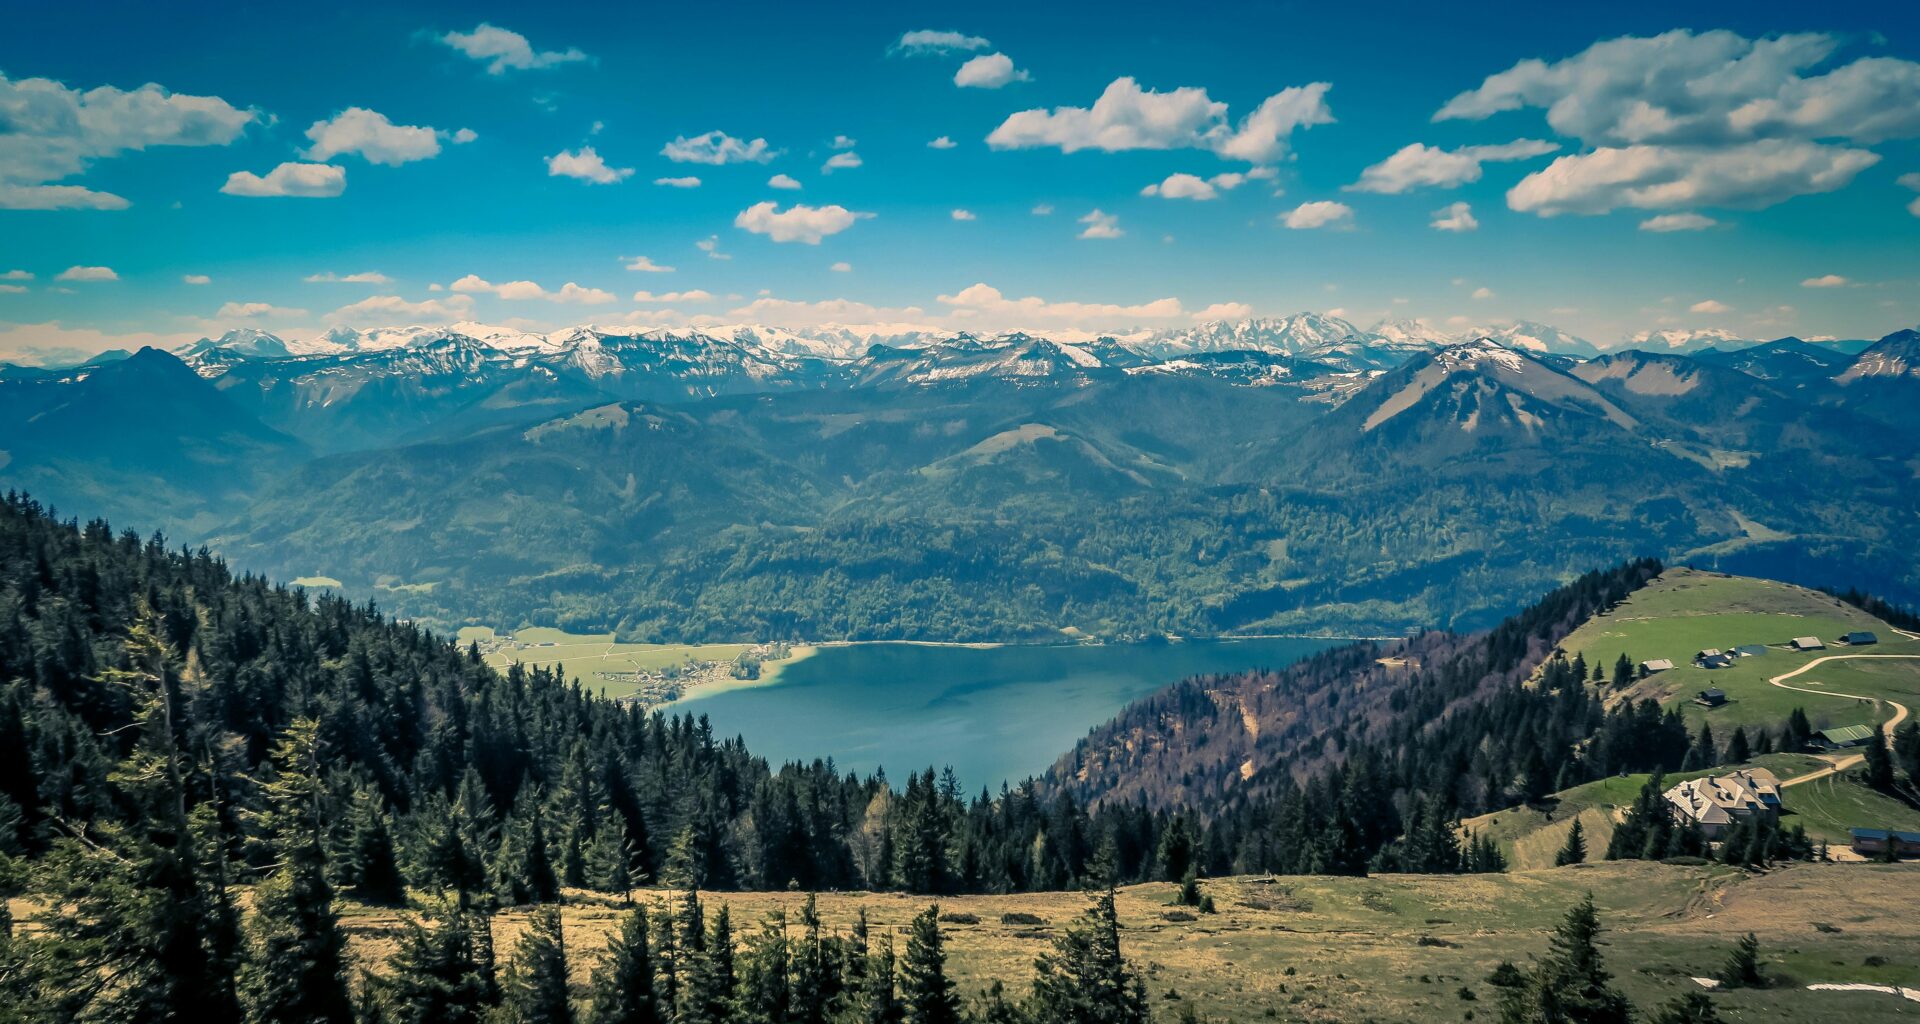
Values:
[(597, 659), (1397, 947)]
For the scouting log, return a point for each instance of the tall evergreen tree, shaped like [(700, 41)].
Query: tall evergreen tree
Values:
[(535, 991), (1742, 969), (927, 995), (1575, 849), (1879, 761), (623, 982), (1084, 979), (1570, 984), (441, 975)]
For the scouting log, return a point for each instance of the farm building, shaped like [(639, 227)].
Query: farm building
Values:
[(1750, 650), (1710, 698), (1872, 842), (1808, 643), (1843, 736), (1656, 665), (1713, 657), (1859, 638), (1717, 802)]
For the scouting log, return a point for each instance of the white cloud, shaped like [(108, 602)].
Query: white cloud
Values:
[(688, 181), (843, 142), (711, 246), (1710, 306), (1192, 186), (388, 309), (785, 181), (256, 310), (989, 71), (1754, 174), (195, 279), (1225, 311), (691, 295), (87, 274), (1101, 225), (932, 42), (1128, 117), (1422, 166), (796, 313), (1317, 215), (1678, 222), (799, 223), (466, 135), (585, 165), (507, 50), (307, 181), (942, 143), (13, 289), (54, 344), (717, 148), (1911, 180), (985, 302), (842, 267), (647, 266), (841, 161), (964, 215), (1043, 209), (369, 134), (1825, 281), (526, 290), (1483, 293), (363, 277), (1456, 217), (17, 275), (54, 132)]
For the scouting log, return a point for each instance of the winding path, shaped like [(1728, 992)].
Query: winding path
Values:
[(1842, 763)]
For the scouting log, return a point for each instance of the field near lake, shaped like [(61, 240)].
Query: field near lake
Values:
[(1400, 947), (599, 661)]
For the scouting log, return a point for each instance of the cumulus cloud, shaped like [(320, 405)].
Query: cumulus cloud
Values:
[(989, 71), (1324, 213), (942, 143), (985, 302), (1101, 225), (505, 50), (1127, 117), (1750, 175), (796, 313), (798, 223), (1423, 166), (466, 135), (1192, 186), (928, 42), (1225, 311), (964, 215), (388, 309), (87, 274), (586, 165), (306, 181), (785, 181), (1678, 222), (1043, 209), (363, 277), (647, 266), (54, 132), (1911, 180), (13, 289), (690, 295), (17, 275), (1710, 306), (256, 310), (711, 246), (842, 267), (195, 279), (1711, 118), (688, 181), (369, 134), (843, 142), (1456, 217), (841, 161), (526, 290), (717, 148), (1825, 281), (1483, 293)]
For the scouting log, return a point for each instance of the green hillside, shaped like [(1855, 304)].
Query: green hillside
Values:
[(1686, 610)]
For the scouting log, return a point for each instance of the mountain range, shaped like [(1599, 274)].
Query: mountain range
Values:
[(754, 483)]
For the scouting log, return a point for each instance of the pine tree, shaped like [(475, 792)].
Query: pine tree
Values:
[(623, 982), (1742, 969), (927, 995), (295, 971), (1738, 750), (441, 975), (1575, 850), (766, 994), (1879, 761), (878, 1002), (371, 869), (1176, 850), (1084, 979), (1570, 984), (1690, 1008), (1906, 752), (536, 987)]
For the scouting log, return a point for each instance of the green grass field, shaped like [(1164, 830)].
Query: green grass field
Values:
[(594, 658), (1685, 611), (1396, 947)]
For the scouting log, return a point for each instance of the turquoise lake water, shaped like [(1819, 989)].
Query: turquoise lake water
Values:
[(993, 714)]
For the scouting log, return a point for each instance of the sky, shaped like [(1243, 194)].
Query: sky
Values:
[(172, 172)]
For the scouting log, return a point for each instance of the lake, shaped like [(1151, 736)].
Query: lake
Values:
[(993, 714)]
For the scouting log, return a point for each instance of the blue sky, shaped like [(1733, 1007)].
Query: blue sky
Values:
[(445, 150)]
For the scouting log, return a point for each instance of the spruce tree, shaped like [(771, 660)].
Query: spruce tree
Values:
[(623, 982), (927, 995), (1879, 761), (1742, 969), (1085, 979), (1575, 850), (1570, 984), (766, 994), (1690, 1008), (879, 1003), (441, 975), (371, 869), (1738, 750), (536, 986)]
